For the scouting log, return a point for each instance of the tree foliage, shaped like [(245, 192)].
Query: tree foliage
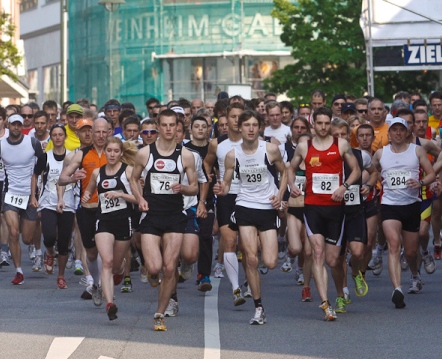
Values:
[(9, 56), (329, 51)]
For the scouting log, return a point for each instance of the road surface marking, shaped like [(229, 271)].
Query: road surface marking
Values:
[(212, 346), (62, 348)]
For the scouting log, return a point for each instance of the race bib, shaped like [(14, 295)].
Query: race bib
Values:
[(17, 200), (396, 178), (252, 176), (112, 205), (300, 183), (324, 183), (352, 196), (160, 182)]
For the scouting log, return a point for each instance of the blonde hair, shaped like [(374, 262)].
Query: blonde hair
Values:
[(128, 149)]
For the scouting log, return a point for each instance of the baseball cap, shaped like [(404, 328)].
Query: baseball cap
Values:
[(74, 108), (15, 118), (398, 120), (348, 106), (83, 122), (177, 109)]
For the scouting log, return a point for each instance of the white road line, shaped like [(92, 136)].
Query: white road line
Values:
[(212, 346), (62, 348), (103, 357)]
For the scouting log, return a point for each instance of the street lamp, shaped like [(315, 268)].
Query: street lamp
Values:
[(111, 6)]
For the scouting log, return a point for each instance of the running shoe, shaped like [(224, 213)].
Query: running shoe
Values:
[(143, 274), (205, 285), (18, 279), (376, 265), (398, 299), (158, 323), (347, 298), (238, 299), (199, 276), (111, 310), (259, 318), (87, 294), (118, 278), (262, 267), (61, 283), (429, 265), (36, 267), (361, 286), (97, 295), (78, 269), (247, 291), (218, 271), (4, 261), (186, 270), (31, 252), (404, 263), (306, 295), (437, 252), (330, 314), (70, 262), (415, 285), (340, 305), (154, 280), (172, 308), (49, 263), (287, 266), (127, 285), (299, 277)]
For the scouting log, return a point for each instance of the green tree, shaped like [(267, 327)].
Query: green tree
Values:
[(329, 51), (9, 56)]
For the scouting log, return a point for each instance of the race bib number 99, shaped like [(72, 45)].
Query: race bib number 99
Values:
[(324, 183), (16, 200), (396, 179), (160, 183), (252, 176), (351, 196)]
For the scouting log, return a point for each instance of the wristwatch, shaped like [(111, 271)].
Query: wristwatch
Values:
[(421, 183), (205, 202), (346, 185)]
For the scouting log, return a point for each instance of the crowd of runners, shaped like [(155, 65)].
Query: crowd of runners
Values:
[(105, 192)]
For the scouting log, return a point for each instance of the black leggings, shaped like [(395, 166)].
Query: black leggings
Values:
[(51, 221), (206, 244)]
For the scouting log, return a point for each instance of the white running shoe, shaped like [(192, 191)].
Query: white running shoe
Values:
[(259, 318), (172, 308), (36, 267), (248, 291), (31, 252), (415, 285), (4, 260), (287, 266), (218, 271), (429, 264)]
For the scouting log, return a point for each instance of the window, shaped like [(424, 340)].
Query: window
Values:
[(51, 82)]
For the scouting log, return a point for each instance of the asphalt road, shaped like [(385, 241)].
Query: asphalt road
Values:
[(40, 321)]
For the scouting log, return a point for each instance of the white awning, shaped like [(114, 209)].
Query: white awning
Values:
[(240, 54), (11, 89)]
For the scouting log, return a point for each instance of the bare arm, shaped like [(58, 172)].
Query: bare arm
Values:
[(33, 201), (189, 166), (352, 163), (210, 158), (300, 153), (222, 188), (92, 185), (276, 158), (71, 173), (134, 180)]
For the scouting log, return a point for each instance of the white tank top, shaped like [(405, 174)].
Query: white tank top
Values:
[(225, 145), (48, 198), (397, 168), (190, 201), (257, 183)]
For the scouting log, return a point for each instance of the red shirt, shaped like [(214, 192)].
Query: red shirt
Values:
[(323, 172)]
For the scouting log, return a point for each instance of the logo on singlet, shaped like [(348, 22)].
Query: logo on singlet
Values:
[(314, 162), (331, 153), (165, 165), (111, 183), (54, 171)]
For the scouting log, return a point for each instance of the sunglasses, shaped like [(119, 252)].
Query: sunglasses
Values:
[(27, 116), (337, 104), (304, 105), (362, 111), (149, 132), (55, 125)]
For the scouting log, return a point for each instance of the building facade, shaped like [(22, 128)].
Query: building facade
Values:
[(171, 48)]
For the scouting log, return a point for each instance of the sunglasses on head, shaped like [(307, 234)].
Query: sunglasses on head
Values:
[(149, 132)]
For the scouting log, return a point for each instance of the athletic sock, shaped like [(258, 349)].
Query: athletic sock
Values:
[(345, 290), (231, 266), (257, 303), (38, 252), (174, 296), (19, 270)]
